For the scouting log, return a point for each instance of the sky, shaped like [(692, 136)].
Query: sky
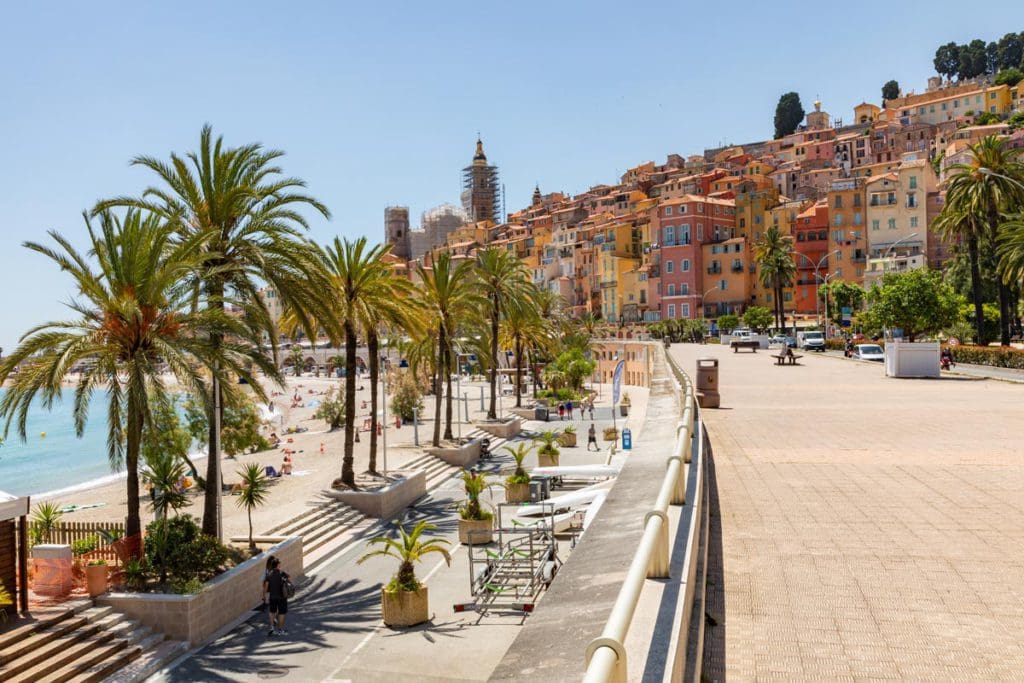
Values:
[(379, 104)]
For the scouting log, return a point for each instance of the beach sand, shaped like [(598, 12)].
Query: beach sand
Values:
[(289, 495)]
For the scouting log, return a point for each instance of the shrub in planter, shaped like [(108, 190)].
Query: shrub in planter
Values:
[(84, 546), (611, 433), (568, 437), (177, 547), (547, 454), (517, 486), (475, 523), (404, 599)]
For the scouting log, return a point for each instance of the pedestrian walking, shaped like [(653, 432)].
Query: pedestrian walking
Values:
[(266, 574), (561, 411), (568, 408), (591, 410), (276, 587), (592, 438)]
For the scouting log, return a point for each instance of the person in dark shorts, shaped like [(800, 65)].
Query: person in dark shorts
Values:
[(592, 438), (273, 587)]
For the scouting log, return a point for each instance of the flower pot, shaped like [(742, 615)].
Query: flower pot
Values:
[(567, 439), (517, 493), (405, 608), (96, 578), (547, 459), (477, 526), (611, 434), (624, 409)]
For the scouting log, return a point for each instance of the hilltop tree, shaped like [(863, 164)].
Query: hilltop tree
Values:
[(947, 60), (1009, 76), (890, 91), (788, 114), (973, 59)]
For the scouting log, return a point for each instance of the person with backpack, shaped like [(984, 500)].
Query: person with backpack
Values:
[(278, 587)]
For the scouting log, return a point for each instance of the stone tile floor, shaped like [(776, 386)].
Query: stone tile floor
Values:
[(863, 527)]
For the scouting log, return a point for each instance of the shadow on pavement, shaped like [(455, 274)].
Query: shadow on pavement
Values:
[(714, 628), (318, 609)]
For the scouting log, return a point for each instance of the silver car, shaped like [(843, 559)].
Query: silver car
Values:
[(869, 352)]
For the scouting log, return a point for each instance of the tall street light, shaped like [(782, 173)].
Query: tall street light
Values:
[(885, 256), (817, 279)]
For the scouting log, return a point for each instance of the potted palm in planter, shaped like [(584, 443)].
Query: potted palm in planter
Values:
[(403, 600), (96, 577), (475, 523), (568, 437), (624, 405), (547, 454), (517, 486)]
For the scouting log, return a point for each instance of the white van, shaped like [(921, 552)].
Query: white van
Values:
[(811, 341)]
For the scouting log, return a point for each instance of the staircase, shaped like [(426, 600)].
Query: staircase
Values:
[(81, 643), (326, 527)]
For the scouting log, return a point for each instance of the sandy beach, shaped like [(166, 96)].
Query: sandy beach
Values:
[(316, 462)]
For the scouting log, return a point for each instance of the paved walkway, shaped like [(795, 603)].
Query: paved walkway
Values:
[(866, 527), (968, 370)]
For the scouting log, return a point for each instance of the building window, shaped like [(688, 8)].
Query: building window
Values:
[(913, 182), (839, 201), (671, 310), (700, 208), (892, 223), (913, 221), (684, 289), (671, 289), (670, 235), (856, 200), (856, 218), (668, 210), (684, 233), (684, 265), (669, 267), (723, 285), (839, 219), (874, 224), (700, 233), (686, 310)]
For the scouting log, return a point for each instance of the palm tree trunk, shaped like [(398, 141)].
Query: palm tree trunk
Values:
[(448, 399), (492, 410), (212, 498), (519, 372), (979, 314), (533, 371), (1004, 290), (373, 348), (133, 441), (438, 370), (348, 474), (252, 546)]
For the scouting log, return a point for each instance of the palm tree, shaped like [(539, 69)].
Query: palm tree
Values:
[(955, 224), (985, 188), (525, 329), (133, 316), (503, 278), (448, 297), (237, 201), (409, 550), (255, 488), (776, 267)]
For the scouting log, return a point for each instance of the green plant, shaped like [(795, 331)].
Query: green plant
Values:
[(409, 550), (187, 586), (97, 563), (757, 318), (406, 401), (569, 429), (45, 518), (519, 453), (84, 545), (997, 357), (728, 322), (240, 426), (5, 601), (547, 440), (255, 487), (135, 571), (165, 472), (918, 301), (474, 484), (164, 434), (625, 399), (332, 409), (177, 547)]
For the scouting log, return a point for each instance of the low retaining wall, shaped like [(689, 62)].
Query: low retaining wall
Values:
[(386, 502), (197, 618), (460, 456), (502, 430)]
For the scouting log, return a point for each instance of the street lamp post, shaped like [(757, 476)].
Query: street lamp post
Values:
[(817, 279), (885, 256)]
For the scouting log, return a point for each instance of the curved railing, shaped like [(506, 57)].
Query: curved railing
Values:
[(606, 654)]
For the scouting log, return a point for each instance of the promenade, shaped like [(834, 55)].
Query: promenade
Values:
[(862, 527)]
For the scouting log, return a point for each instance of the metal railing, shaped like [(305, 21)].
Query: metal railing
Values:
[(606, 654)]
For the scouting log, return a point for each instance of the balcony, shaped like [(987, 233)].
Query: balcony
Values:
[(713, 270), (737, 268), (609, 284)]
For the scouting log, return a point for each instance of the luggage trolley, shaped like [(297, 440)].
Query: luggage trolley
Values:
[(512, 576)]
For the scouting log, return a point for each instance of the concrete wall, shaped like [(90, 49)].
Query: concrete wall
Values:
[(197, 618), (386, 502)]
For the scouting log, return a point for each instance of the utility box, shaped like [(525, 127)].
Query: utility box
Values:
[(53, 570), (540, 488), (540, 413), (627, 439), (707, 383)]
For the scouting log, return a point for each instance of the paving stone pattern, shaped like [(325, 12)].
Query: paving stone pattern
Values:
[(864, 527)]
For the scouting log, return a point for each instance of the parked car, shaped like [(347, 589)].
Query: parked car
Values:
[(791, 342), (779, 339), (811, 341), (869, 352)]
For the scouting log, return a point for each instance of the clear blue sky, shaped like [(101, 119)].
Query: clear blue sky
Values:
[(379, 103)]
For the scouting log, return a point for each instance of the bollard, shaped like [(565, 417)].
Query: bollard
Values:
[(707, 383)]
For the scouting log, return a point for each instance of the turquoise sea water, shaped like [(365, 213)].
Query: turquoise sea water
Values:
[(60, 459)]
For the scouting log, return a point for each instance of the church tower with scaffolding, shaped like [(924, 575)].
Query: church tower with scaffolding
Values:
[(480, 188)]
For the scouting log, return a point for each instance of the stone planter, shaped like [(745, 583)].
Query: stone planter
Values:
[(405, 608), (567, 439), (461, 456), (471, 531), (611, 434), (96, 578), (384, 503), (505, 429), (517, 493), (547, 459)]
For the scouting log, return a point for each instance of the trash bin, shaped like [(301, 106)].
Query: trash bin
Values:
[(540, 488), (627, 439), (540, 412), (707, 383)]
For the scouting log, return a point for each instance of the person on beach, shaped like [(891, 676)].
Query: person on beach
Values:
[(274, 589), (592, 438)]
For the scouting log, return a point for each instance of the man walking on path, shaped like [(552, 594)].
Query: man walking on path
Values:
[(592, 438), (568, 408), (274, 586)]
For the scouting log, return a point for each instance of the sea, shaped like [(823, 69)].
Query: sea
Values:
[(53, 459)]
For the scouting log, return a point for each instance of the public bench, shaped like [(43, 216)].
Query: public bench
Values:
[(738, 344), (780, 359)]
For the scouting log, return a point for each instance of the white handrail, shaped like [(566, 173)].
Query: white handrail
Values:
[(606, 655)]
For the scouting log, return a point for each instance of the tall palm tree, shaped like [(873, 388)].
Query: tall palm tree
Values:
[(523, 328), (776, 267), (449, 296), (503, 278), (248, 214), (133, 316), (955, 223), (988, 186)]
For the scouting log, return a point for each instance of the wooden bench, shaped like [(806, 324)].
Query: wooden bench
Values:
[(738, 344), (780, 359)]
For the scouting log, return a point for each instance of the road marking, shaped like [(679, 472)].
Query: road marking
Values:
[(376, 629)]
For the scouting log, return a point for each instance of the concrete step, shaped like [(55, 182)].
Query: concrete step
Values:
[(326, 533), (102, 660), (72, 650), (43, 644), (311, 512), (328, 518), (94, 614), (19, 634), (149, 661)]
